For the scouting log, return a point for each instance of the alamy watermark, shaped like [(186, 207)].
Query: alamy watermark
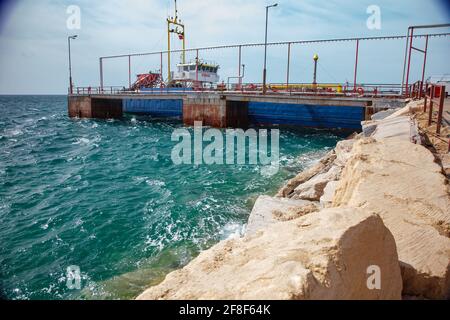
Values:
[(227, 148), (73, 278), (374, 277), (73, 21), (374, 20)]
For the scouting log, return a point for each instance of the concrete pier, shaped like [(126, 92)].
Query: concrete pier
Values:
[(90, 107), (215, 111), (224, 110)]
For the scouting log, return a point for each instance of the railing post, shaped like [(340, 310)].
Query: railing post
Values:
[(288, 66), (426, 98), (129, 71), (424, 64), (441, 109), (161, 72), (356, 65), (409, 60), (196, 69), (239, 72), (101, 74), (431, 104)]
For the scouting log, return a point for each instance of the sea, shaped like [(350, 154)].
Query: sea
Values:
[(97, 209)]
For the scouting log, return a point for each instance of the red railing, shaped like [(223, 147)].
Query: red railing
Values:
[(435, 95), (416, 90)]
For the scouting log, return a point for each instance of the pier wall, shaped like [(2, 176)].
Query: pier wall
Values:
[(211, 111), (215, 112), (79, 107), (99, 108), (154, 107), (229, 111), (348, 117)]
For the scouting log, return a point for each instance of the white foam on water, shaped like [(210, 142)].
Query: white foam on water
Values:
[(138, 179), (88, 142), (14, 133), (82, 141), (232, 230), (157, 183)]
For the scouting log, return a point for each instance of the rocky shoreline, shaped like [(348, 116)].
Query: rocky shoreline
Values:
[(370, 220)]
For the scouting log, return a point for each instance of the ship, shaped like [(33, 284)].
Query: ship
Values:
[(197, 72)]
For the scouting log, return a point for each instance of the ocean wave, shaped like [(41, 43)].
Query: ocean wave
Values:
[(84, 141), (13, 133)]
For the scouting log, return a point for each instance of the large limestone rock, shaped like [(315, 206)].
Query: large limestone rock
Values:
[(411, 107), (312, 189), (400, 181), (383, 114), (268, 210), (401, 127), (343, 151), (323, 165), (323, 255), (326, 200)]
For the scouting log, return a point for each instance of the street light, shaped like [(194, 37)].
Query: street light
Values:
[(70, 64), (265, 48)]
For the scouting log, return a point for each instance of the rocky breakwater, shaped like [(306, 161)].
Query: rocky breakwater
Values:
[(378, 201)]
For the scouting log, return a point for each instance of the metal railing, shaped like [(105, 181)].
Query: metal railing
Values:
[(434, 94), (307, 89), (290, 45), (98, 90), (417, 90)]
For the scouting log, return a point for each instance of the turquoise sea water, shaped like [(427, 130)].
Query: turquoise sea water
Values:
[(105, 196)]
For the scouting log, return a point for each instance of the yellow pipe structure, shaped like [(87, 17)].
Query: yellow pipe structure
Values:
[(177, 23), (300, 86)]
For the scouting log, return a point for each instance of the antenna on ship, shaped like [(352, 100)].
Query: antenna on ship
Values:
[(176, 11), (174, 25)]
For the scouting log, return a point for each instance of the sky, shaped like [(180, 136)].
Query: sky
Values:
[(34, 49)]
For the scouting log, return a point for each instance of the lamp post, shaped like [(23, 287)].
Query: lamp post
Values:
[(316, 58), (70, 64), (265, 48)]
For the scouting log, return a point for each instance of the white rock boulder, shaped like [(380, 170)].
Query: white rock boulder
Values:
[(401, 182), (268, 210), (313, 189), (324, 255)]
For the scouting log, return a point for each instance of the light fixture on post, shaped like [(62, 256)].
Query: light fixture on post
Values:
[(265, 48), (70, 64)]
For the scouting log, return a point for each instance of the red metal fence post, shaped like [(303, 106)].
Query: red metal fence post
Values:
[(431, 104), (409, 61), (426, 98), (441, 109), (424, 65), (404, 63)]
